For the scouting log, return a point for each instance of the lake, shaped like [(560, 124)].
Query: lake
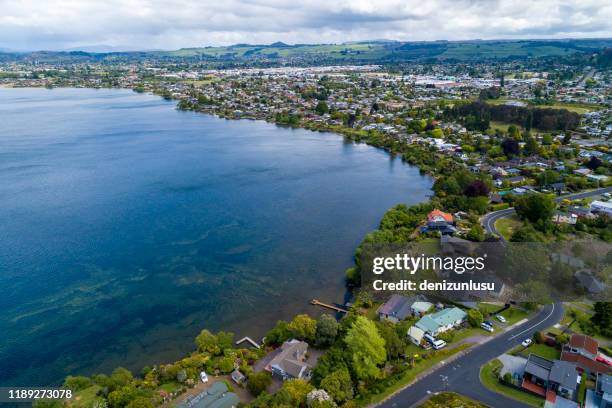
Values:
[(127, 226)]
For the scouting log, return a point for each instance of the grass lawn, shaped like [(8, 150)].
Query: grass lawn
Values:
[(488, 308), (489, 378), (409, 375), (494, 125), (514, 315), (472, 331), (579, 108), (170, 387), (542, 350), (581, 317), (451, 400), (86, 397), (508, 225)]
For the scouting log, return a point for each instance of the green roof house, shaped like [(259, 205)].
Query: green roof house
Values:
[(442, 321)]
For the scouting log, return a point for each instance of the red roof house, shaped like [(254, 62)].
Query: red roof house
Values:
[(440, 216)]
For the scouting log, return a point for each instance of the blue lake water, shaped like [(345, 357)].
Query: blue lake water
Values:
[(126, 226)]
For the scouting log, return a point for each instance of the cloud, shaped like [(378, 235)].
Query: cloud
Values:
[(171, 24)]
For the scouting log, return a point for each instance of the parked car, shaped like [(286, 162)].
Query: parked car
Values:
[(203, 377), (526, 342), (500, 318), (488, 322), (438, 344), (429, 338), (487, 327)]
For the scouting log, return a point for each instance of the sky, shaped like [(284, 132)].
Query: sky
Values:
[(173, 24)]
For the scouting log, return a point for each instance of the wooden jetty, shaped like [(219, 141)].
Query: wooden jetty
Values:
[(328, 306), (248, 340)]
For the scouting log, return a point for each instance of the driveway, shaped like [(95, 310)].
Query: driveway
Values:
[(463, 374)]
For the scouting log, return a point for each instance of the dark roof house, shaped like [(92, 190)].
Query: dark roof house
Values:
[(397, 308), (289, 362)]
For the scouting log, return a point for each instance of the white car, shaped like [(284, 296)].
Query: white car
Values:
[(526, 343), (487, 327), (500, 318), (438, 344), (203, 377)]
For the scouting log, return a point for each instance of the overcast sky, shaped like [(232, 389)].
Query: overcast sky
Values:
[(172, 24)]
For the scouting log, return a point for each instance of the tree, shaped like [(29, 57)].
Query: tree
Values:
[(562, 338), (476, 188), (510, 147), (535, 207), (140, 402), (338, 385), (279, 333), (593, 163), (119, 377), (259, 382), (393, 343), (602, 318), (77, 383), (208, 342), (322, 108), (475, 318), (303, 327), (121, 397), (538, 337), (327, 330), (476, 233), (366, 347), (437, 133), (531, 145), (293, 392), (514, 132)]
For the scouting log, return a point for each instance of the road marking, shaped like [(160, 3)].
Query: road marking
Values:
[(540, 322)]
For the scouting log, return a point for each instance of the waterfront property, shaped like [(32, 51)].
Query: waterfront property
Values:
[(217, 396), (397, 308), (289, 361)]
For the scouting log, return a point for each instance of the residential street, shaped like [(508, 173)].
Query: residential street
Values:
[(488, 221), (462, 374)]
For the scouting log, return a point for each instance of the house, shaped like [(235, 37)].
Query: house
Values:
[(289, 362), (564, 218), (442, 321), (420, 308), (582, 350), (439, 221), (557, 187), (516, 180), (581, 212), (589, 282), (604, 207), (396, 309), (415, 335), (217, 396), (440, 216), (583, 172), (495, 198), (238, 377), (601, 396), (583, 345), (542, 376)]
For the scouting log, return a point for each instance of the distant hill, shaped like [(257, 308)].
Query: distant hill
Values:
[(378, 51)]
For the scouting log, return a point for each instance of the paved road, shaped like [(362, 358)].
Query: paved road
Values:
[(488, 221), (463, 373)]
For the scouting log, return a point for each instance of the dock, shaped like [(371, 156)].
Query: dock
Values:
[(248, 340), (328, 306)]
